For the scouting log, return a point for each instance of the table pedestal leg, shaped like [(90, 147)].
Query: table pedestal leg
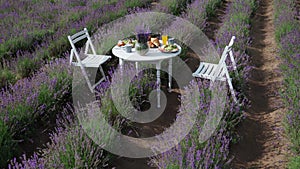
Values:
[(170, 75), (137, 68), (158, 65), (121, 63)]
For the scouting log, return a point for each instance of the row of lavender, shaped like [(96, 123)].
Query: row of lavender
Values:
[(22, 52), (31, 22), (175, 7), (34, 25), (211, 148), (287, 31), (70, 146), (32, 103), (54, 149), (213, 153)]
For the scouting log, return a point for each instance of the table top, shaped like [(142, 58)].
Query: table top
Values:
[(153, 55)]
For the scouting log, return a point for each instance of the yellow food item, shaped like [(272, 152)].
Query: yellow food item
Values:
[(154, 42)]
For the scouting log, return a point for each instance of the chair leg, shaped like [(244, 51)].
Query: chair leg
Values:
[(211, 84), (87, 80), (102, 72), (231, 87), (233, 63), (101, 80)]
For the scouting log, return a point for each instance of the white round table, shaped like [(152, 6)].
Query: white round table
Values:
[(154, 56)]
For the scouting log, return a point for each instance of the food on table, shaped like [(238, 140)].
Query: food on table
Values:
[(154, 43), (125, 42), (120, 43), (169, 48)]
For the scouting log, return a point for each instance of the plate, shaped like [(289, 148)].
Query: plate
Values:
[(125, 42), (162, 49)]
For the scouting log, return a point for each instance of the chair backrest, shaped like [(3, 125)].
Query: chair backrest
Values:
[(222, 64), (84, 34)]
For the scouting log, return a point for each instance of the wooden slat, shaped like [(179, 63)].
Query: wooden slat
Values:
[(196, 73), (79, 38), (210, 70), (78, 34), (205, 67), (222, 73)]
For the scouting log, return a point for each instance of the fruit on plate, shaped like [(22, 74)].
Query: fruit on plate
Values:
[(169, 48), (121, 43), (125, 42)]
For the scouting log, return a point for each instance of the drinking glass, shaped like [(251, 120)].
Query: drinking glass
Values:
[(164, 39)]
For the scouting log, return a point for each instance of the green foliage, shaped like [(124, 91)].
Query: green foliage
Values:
[(283, 29), (132, 3), (240, 17), (172, 166), (72, 148), (57, 46), (7, 144), (20, 112), (253, 5), (25, 67), (175, 7), (108, 108), (212, 6), (11, 46), (6, 77), (45, 96), (287, 35), (294, 163)]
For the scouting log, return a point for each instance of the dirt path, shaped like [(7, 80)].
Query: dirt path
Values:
[(263, 144)]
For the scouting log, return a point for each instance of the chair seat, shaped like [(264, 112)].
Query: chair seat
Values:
[(207, 71), (219, 71), (93, 60)]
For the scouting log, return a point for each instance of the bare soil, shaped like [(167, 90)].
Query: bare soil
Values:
[(263, 143)]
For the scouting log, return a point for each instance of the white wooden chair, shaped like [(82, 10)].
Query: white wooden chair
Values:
[(91, 60), (219, 71)]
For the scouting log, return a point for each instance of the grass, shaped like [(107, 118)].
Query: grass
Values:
[(174, 7), (26, 66), (287, 34), (294, 163), (51, 42), (7, 76), (212, 6), (7, 144)]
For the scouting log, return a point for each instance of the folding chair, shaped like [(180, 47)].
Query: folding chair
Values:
[(219, 71), (91, 60)]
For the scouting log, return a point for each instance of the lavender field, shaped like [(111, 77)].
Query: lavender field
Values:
[(39, 122)]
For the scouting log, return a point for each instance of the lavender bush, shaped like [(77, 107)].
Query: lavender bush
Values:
[(237, 23), (214, 152), (174, 7), (69, 147), (196, 13), (191, 153), (33, 101), (90, 14), (66, 149), (288, 39)]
